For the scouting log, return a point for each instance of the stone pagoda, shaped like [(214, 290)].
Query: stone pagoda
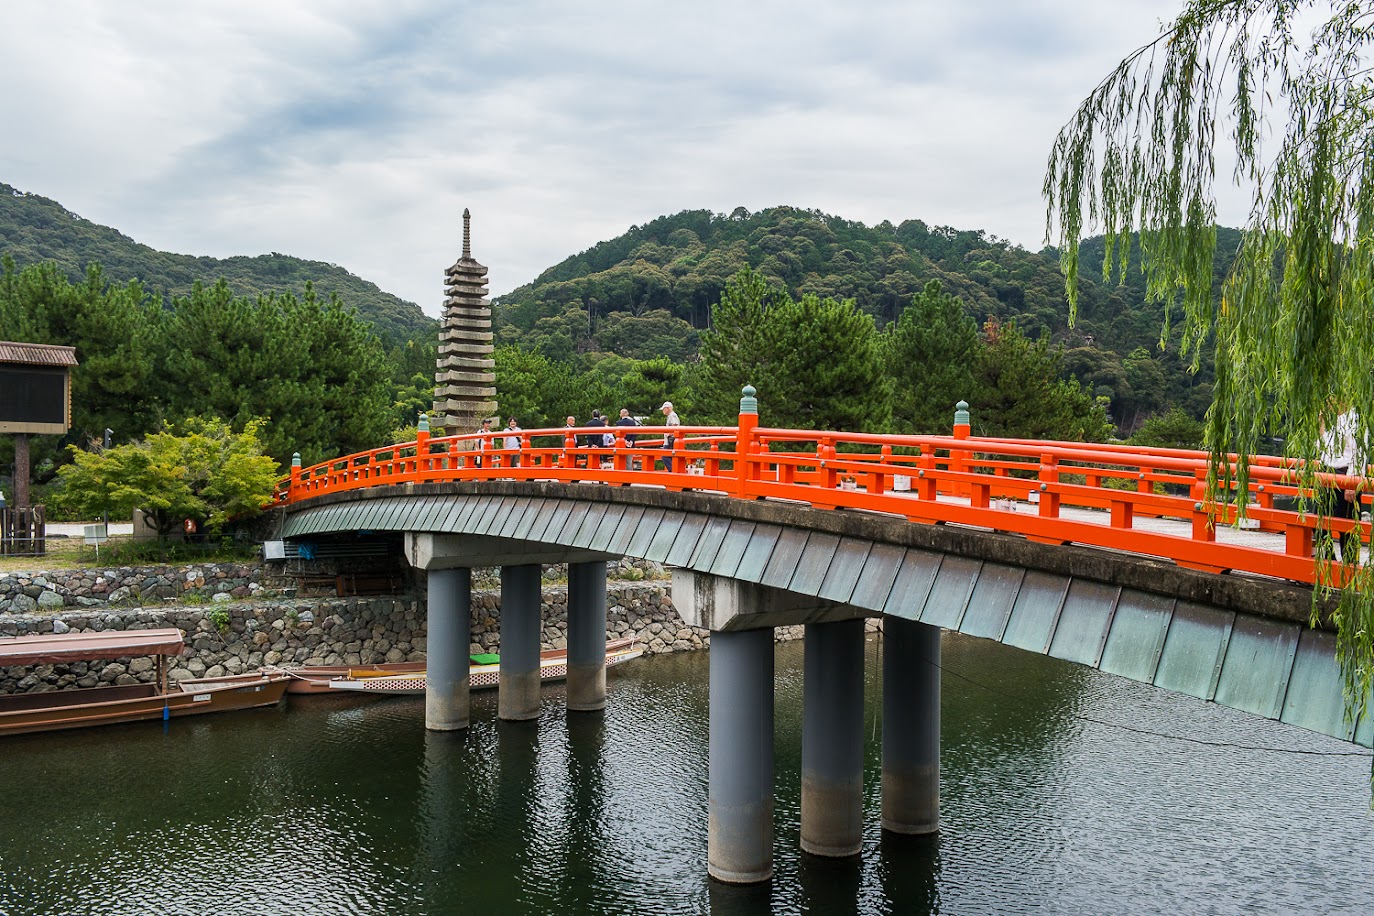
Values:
[(465, 380)]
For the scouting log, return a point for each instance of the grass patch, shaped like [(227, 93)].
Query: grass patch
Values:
[(73, 553)]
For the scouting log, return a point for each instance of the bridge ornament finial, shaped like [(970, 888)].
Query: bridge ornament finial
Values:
[(296, 460), (423, 424), (961, 414), (748, 403)]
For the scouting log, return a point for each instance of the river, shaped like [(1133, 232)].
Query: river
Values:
[(1064, 791)]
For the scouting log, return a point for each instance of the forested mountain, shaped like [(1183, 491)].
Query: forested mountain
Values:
[(649, 292), (35, 230)]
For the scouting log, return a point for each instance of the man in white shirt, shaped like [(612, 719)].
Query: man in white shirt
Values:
[(673, 420)]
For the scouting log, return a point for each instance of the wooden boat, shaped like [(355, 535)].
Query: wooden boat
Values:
[(60, 709), (553, 666), (314, 679)]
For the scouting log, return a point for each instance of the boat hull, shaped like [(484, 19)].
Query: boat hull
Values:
[(553, 667), (90, 707)]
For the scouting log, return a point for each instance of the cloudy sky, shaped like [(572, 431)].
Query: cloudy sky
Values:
[(355, 132)]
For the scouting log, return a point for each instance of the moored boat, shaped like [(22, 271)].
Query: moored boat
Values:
[(553, 666), (89, 706), (314, 679)]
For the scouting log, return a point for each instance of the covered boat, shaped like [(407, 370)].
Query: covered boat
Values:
[(484, 673), (60, 709)]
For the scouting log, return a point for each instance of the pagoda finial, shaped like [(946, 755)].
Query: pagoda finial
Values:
[(467, 235)]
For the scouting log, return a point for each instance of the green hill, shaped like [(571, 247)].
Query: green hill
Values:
[(34, 229), (649, 291)]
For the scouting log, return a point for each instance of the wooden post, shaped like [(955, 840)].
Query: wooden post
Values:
[(21, 470)]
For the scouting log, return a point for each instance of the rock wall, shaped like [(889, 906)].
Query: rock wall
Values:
[(244, 635), (54, 590)]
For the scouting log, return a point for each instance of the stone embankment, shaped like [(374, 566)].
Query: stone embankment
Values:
[(234, 636), (48, 592)]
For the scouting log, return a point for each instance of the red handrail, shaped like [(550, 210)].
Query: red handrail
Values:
[(1052, 492)]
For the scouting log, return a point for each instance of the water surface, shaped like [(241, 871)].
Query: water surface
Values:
[(1059, 796)]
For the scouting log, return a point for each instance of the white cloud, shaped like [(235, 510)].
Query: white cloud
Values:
[(356, 133)]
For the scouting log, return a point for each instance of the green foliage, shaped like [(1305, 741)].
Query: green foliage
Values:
[(825, 367), (656, 334), (114, 331), (309, 366), (929, 356), (1174, 429), (640, 295), (36, 230), (219, 619), (208, 473), (1018, 392), (1286, 85), (819, 360), (734, 351), (648, 383), (137, 552)]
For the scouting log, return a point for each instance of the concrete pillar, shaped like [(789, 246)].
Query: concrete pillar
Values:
[(446, 649), (832, 789), (911, 726), (739, 844), (521, 623), (587, 636)]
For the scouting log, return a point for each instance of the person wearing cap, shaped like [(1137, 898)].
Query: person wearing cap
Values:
[(672, 420)]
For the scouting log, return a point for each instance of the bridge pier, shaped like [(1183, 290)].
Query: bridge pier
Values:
[(911, 726), (739, 843), (586, 636), (832, 781), (448, 629), (521, 624)]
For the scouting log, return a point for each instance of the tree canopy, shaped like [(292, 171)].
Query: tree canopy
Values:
[(308, 366), (648, 291), (208, 473), (1284, 87), (37, 230)]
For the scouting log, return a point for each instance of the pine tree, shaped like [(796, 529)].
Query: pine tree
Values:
[(929, 355)]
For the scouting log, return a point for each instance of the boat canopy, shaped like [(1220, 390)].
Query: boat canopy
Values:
[(52, 648)]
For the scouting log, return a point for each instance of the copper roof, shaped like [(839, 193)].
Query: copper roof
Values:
[(53, 648), (32, 354)]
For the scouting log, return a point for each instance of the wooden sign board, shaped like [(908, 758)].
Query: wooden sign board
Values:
[(35, 388)]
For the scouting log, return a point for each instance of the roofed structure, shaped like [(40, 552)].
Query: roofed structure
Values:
[(465, 377)]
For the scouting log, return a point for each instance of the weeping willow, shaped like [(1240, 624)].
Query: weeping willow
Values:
[(1283, 89)]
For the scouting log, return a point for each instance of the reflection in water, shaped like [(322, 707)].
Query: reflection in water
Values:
[(741, 899), (830, 885), (584, 838), (909, 872), (442, 813), (339, 806)]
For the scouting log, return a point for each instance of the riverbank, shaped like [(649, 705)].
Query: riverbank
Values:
[(240, 635)]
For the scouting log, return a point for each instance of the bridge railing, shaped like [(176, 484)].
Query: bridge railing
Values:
[(1051, 492)]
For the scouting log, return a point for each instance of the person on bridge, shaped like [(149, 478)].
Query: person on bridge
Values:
[(627, 420), (672, 420), (594, 440), (1341, 454), (480, 444), (512, 440), (577, 440)]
